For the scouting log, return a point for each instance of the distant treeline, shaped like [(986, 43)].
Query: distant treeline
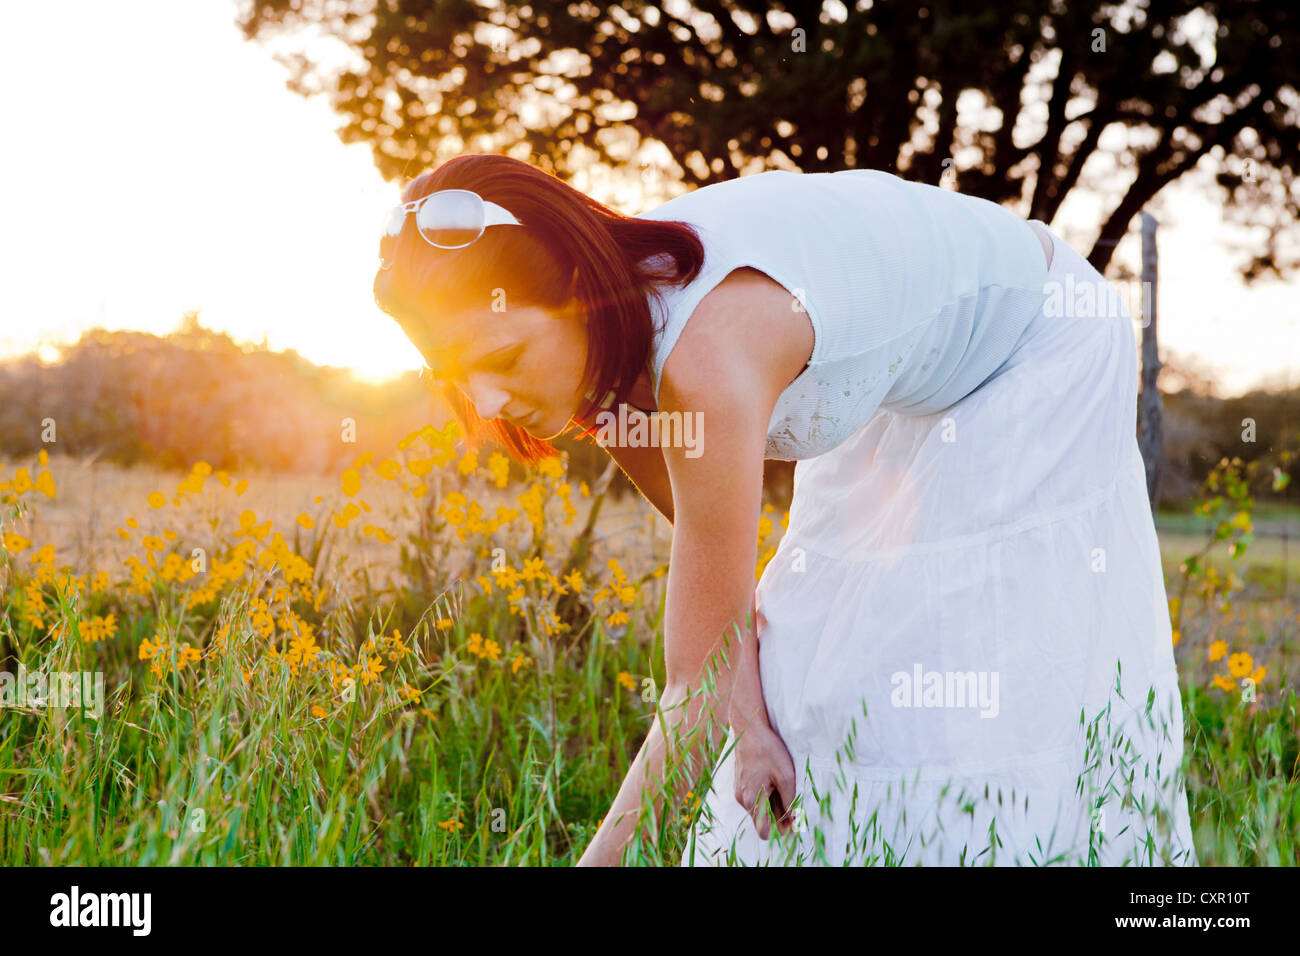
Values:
[(196, 394), (1200, 429), (134, 397)]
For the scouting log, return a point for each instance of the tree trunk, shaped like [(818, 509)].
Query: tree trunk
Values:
[(1149, 405)]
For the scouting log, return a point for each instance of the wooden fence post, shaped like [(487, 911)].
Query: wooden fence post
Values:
[(1149, 404)]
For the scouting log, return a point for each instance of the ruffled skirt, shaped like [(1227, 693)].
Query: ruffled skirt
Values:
[(964, 638)]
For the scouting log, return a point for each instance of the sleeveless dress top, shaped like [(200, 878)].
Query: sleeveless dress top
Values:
[(916, 294), (963, 636)]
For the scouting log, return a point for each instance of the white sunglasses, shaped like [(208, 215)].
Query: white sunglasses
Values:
[(446, 219)]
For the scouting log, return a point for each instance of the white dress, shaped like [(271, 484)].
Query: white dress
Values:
[(964, 638)]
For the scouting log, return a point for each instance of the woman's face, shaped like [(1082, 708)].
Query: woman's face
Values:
[(524, 365)]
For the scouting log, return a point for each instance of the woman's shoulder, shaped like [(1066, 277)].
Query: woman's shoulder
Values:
[(745, 328)]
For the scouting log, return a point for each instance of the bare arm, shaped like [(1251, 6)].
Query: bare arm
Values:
[(648, 471), (716, 499)]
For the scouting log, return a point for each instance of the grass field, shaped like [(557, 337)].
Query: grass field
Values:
[(424, 662)]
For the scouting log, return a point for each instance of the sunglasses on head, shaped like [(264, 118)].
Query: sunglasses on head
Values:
[(446, 219)]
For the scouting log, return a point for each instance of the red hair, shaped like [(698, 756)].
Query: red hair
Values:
[(570, 247)]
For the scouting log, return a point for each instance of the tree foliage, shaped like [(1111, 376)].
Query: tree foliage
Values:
[(1010, 100)]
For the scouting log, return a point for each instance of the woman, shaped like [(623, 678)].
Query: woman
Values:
[(962, 650)]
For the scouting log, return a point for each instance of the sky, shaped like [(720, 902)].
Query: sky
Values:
[(162, 166)]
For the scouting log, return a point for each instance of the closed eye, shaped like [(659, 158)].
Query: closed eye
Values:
[(514, 360), (501, 364)]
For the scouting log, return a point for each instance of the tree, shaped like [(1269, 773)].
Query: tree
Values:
[(1010, 100)]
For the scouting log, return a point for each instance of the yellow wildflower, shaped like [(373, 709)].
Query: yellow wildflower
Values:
[(371, 671), (304, 646), (350, 512), (99, 628), (14, 543), (45, 484), (1239, 665)]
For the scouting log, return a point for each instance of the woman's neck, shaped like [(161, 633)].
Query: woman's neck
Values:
[(642, 395)]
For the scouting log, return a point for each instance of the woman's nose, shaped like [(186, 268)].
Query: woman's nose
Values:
[(489, 400)]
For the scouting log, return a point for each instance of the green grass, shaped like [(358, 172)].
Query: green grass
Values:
[(237, 760), (206, 769), (1270, 511), (1262, 565)]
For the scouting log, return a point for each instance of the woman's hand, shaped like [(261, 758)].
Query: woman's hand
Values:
[(764, 776)]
